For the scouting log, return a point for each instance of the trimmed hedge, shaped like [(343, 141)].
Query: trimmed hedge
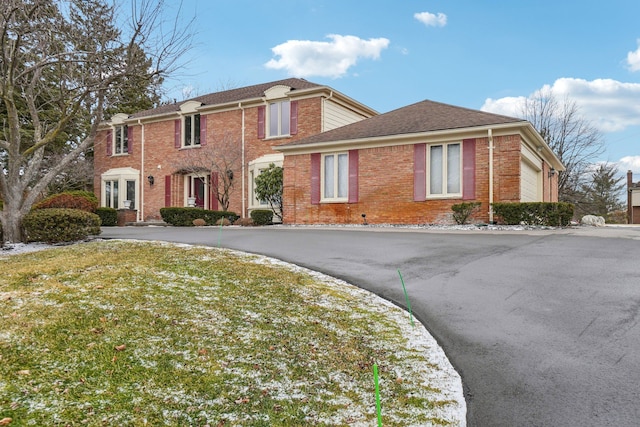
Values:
[(262, 217), (539, 213), (463, 211), (82, 200), (183, 217), (108, 216), (60, 225)]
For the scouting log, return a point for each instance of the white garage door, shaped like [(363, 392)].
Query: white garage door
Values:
[(529, 178)]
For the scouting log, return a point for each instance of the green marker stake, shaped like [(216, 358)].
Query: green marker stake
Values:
[(406, 297), (220, 233), (378, 410)]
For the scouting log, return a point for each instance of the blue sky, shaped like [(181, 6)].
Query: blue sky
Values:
[(487, 55)]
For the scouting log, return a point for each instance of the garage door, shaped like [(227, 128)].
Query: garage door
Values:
[(529, 178)]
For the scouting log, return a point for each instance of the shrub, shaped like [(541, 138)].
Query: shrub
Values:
[(244, 222), (108, 216), (82, 200), (262, 217), (539, 213), (199, 222), (183, 217), (60, 225), (462, 211)]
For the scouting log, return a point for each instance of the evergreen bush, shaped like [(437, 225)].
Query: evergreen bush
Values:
[(262, 217), (534, 213), (108, 216), (183, 217), (57, 225)]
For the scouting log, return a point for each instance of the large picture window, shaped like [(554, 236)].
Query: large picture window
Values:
[(335, 177), (445, 171), (191, 133), (279, 118)]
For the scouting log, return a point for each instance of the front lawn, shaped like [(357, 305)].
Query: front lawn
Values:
[(133, 333)]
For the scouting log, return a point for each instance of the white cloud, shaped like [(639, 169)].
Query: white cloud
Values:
[(611, 105), (303, 58), (633, 59), (627, 163), (431, 19)]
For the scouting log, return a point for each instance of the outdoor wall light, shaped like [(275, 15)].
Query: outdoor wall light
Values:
[(150, 179), (552, 172), (230, 174)]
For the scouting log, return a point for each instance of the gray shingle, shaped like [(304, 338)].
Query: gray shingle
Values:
[(425, 116), (228, 96)]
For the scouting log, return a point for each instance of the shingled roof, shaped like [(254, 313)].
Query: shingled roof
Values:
[(228, 96), (425, 116)]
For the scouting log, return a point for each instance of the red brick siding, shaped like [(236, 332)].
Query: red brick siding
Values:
[(162, 158), (386, 187)]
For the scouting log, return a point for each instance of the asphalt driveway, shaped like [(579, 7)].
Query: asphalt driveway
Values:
[(541, 325)]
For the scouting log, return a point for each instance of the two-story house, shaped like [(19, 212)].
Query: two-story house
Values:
[(206, 151)]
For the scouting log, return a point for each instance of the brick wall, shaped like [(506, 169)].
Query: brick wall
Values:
[(386, 187), (161, 158)]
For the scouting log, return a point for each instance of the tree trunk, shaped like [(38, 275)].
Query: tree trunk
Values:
[(11, 225)]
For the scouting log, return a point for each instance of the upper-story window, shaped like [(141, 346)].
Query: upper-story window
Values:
[(279, 118), (121, 139), (191, 133)]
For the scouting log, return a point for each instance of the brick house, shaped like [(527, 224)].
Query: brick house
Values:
[(411, 165), (188, 153)]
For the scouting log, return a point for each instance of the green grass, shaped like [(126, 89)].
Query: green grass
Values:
[(132, 333)]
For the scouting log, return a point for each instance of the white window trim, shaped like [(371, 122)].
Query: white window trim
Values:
[(183, 139), (122, 175), (323, 198), (279, 102), (444, 194)]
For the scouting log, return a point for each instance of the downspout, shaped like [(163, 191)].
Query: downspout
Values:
[(141, 208), (490, 176), (243, 163)]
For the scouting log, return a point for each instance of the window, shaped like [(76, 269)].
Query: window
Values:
[(111, 194), (121, 139), (279, 118), (335, 177), (445, 171), (119, 185), (191, 134)]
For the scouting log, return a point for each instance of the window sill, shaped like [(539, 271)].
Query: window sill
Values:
[(329, 201), (119, 154), (444, 196), (189, 147), (269, 138)]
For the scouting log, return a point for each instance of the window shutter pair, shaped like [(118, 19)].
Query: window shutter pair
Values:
[(316, 160), (468, 171), (177, 132), (293, 120)]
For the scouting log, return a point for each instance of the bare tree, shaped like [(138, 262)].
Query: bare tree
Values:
[(575, 141), (223, 157), (61, 63)]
